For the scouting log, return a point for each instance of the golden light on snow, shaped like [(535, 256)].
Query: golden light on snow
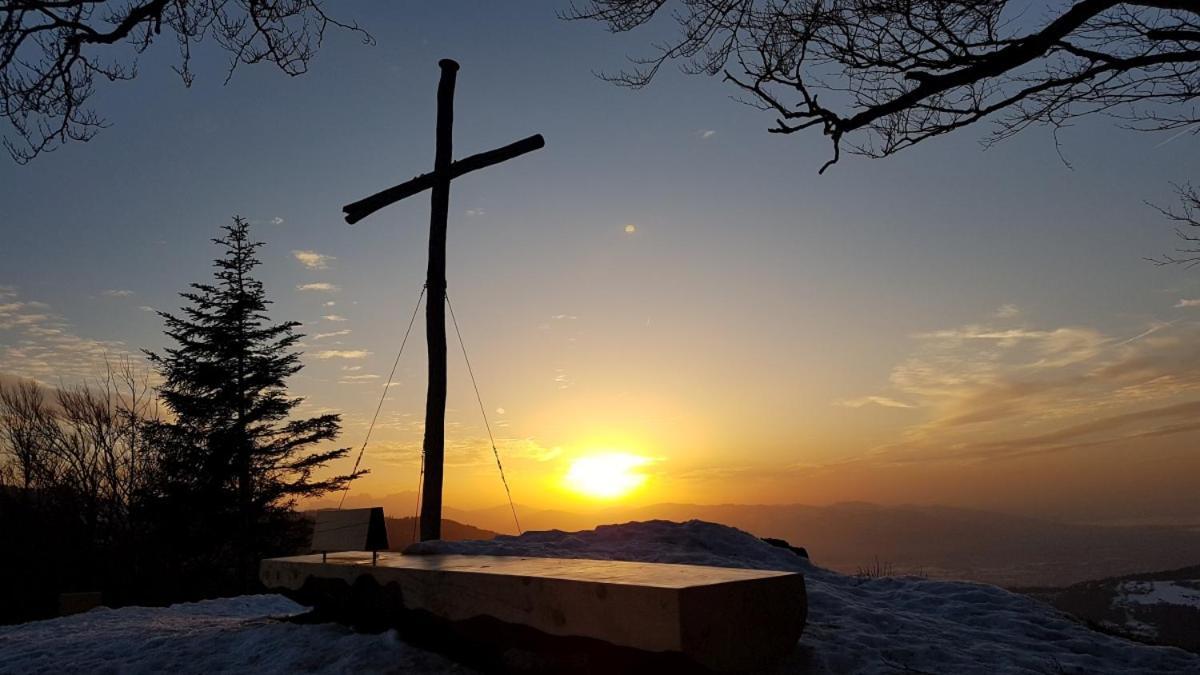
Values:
[(606, 475)]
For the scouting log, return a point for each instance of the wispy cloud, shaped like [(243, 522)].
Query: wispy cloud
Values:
[(1007, 311), (313, 260), (342, 354), (461, 451), (1057, 346), (706, 134), (987, 392), (277, 220), (17, 314), (882, 401), (1140, 424), (334, 317), (336, 333), (1188, 303), (37, 343), (116, 293), (561, 379), (319, 286), (475, 212)]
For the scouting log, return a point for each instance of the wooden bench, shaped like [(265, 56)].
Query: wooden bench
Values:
[(719, 618), (349, 530)]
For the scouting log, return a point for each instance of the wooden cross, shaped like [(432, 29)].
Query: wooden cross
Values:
[(438, 183)]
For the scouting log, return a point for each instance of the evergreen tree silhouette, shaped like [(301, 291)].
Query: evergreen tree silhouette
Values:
[(233, 462)]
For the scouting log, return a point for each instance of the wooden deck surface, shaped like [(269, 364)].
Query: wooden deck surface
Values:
[(656, 575)]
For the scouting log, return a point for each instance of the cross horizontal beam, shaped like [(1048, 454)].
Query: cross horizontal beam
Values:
[(365, 207)]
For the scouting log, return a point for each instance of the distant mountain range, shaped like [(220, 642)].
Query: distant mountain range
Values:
[(937, 541), (403, 531)]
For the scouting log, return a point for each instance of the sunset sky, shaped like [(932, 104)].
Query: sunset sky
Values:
[(664, 279)]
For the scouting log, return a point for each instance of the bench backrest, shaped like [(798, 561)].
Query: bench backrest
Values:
[(349, 530)]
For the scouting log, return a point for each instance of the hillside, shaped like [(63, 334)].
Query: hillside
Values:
[(1159, 608), (402, 531), (936, 541), (856, 625)]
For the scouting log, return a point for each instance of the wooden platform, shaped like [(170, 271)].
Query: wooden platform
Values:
[(720, 618)]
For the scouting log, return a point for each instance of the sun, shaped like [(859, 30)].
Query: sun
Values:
[(606, 475)]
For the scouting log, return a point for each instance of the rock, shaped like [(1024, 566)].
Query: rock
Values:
[(798, 550)]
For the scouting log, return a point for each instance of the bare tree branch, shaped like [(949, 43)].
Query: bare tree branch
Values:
[(53, 52), (893, 73), (1186, 218)]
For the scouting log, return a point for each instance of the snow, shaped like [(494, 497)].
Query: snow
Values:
[(230, 635), (1159, 592), (856, 625)]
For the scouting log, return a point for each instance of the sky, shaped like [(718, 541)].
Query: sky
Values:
[(664, 279)]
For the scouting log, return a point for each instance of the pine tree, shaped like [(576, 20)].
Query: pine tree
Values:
[(233, 461)]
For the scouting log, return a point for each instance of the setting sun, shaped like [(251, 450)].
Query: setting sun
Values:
[(606, 476)]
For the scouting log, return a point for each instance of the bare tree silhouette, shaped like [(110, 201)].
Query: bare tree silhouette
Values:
[(1187, 227), (897, 72), (52, 53), (74, 462), (82, 445)]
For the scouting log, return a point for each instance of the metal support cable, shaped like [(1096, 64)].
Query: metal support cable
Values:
[(483, 412), (382, 397)]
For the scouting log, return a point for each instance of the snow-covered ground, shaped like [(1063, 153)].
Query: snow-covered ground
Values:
[(228, 635), (887, 625)]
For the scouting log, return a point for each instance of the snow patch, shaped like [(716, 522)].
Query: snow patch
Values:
[(241, 634), (855, 625), (1186, 593)]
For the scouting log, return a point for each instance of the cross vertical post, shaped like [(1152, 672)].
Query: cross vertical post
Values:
[(434, 445), (438, 183)]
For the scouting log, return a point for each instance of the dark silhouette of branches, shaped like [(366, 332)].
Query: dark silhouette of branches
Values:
[(897, 72), (52, 53), (28, 428), (1186, 218), (74, 462), (83, 443)]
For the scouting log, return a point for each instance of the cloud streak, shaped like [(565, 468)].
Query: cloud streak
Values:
[(881, 401), (987, 392), (38, 344), (313, 260), (327, 354), (318, 286), (1007, 311)]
